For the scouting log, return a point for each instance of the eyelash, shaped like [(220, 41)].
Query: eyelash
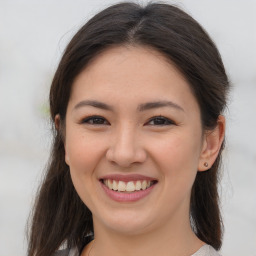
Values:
[(102, 121), (88, 120), (166, 121)]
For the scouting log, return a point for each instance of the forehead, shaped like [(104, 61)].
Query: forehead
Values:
[(131, 73)]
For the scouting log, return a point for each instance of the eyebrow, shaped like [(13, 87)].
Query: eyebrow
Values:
[(141, 107), (159, 104), (93, 103)]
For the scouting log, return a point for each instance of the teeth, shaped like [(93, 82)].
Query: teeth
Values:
[(144, 184), (110, 184), (114, 185), (130, 186), (121, 186), (138, 185)]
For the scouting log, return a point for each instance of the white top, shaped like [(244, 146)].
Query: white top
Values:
[(205, 250)]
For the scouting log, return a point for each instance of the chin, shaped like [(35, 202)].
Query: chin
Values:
[(129, 223)]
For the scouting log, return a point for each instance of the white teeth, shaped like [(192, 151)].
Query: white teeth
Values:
[(114, 185), (144, 184), (110, 184), (130, 186), (138, 185), (121, 186)]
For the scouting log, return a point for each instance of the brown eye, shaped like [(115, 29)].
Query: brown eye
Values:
[(160, 121), (95, 120)]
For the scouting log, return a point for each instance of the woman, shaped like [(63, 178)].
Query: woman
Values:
[(137, 103)]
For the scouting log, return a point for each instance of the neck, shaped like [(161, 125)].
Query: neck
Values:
[(177, 239)]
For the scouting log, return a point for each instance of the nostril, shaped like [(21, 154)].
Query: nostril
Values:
[(125, 151)]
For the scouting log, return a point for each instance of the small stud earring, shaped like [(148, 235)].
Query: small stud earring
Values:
[(205, 164)]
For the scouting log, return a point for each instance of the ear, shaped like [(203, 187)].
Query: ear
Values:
[(212, 142), (58, 128), (57, 122)]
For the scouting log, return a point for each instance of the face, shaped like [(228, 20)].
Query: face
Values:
[(133, 140)]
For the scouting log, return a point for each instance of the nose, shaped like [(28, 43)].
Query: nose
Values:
[(125, 148)]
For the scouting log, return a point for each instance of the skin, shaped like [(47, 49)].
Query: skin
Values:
[(125, 140)]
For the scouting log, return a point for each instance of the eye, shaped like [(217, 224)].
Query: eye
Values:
[(160, 121), (95, 120)]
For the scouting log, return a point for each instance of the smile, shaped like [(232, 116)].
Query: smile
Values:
[(127, 188), (130, 186)]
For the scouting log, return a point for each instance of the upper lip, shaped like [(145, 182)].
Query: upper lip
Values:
[(127, 177)]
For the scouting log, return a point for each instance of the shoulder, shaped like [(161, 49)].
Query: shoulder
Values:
[(206, 250), (63, 249), (67, 252)]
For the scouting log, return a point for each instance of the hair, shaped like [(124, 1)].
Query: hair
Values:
[(59, 214)]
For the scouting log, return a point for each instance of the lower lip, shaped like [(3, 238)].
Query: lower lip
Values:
[(127, 197)]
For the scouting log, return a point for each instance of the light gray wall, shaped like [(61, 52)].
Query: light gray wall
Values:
[(33, 35)]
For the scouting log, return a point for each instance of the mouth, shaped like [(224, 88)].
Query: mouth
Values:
[(129, 186)]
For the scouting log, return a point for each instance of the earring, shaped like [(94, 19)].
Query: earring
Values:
[(205, 164)]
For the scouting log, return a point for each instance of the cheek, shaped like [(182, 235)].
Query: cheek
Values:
[(81, 150), (178, 156), (177, 161), (84, 154)]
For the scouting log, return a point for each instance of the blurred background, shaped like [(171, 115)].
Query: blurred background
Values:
[(33, 35)]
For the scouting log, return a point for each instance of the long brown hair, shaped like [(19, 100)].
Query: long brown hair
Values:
[(59, 214)]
